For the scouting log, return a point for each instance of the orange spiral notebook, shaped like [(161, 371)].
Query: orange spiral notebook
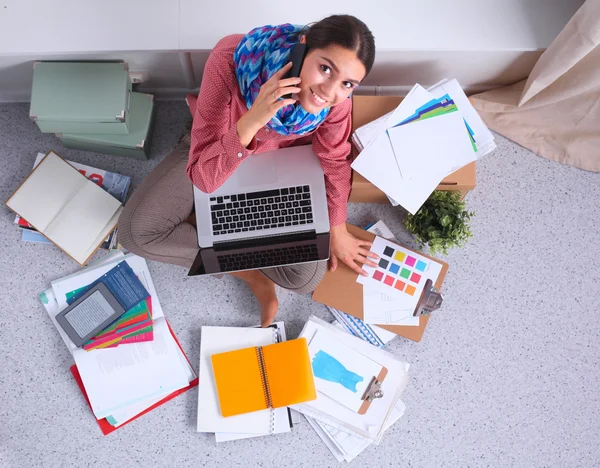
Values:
[(262, 377)]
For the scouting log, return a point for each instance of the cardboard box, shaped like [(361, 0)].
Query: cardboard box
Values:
[(368, 108), (340, 290)]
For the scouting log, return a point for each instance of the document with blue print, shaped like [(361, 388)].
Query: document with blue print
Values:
[(341, 372)]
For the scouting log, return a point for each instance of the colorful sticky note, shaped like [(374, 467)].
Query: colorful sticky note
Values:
[(415, 277), (410, 261), (405, 273), (410, 290), (400, 285), (400, 256), (394, 268), (383, 263), (421, 265), (388, 280), (388, 251), (377, 275)]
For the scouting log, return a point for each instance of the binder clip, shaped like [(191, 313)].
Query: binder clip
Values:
[(373, 390), (431, 299)]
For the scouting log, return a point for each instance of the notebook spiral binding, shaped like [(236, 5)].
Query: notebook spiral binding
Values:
[(265, 382)]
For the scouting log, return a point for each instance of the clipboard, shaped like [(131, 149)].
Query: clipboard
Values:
[(340, 290), (373, 391)]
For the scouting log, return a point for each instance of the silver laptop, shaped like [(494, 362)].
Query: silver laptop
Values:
[(272, 211)]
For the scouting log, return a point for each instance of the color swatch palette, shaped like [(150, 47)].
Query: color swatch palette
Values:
[(400, 272)]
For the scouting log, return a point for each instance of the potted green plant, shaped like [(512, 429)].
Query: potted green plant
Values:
[(441, 223)]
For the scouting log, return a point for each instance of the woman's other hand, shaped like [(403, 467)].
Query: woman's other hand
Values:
[(349, 249), (267, 103)]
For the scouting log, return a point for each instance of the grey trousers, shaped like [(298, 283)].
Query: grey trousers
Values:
[(154, 223)]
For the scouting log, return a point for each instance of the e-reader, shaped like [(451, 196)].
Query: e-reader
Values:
[(89, 314)]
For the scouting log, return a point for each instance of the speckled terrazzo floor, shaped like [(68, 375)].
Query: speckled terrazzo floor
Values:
[(507, 374)]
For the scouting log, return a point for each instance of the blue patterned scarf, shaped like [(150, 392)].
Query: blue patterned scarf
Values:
[(261, 53)]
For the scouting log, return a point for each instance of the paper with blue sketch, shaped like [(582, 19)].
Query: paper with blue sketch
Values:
[(341, 373)]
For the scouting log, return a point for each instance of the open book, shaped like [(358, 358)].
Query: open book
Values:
[(66, 207)]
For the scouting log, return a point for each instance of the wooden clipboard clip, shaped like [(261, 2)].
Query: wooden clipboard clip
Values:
[(373, 391), (431, 299)]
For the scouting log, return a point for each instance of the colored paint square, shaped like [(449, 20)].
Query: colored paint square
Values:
[(388, 280), (415, 277), (405, 273), (388, 251), (394, 268), (410, 261), (383, 263), (410, 290), (400, 256), (377, 275), (399, 285), (421, 265)]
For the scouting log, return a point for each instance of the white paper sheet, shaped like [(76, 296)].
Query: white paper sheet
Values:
[(377, 162), (122, 416), (115, 378), (324, 408), (375, 301), (442, 142), (341, 372), (484, 139), (216, 340), (418, 270)]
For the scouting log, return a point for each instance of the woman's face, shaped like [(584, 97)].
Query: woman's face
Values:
[(328, 77)]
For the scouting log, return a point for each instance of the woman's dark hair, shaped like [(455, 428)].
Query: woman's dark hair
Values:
[(346, 31)]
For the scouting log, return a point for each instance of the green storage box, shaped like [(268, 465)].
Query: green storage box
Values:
[(135, 145), (81, 97)]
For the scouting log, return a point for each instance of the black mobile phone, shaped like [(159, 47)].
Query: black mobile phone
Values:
[(297, 56)]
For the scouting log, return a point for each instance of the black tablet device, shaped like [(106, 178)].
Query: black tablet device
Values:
[(89, 314)]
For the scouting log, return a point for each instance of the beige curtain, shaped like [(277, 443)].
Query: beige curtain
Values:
[(556, 111)]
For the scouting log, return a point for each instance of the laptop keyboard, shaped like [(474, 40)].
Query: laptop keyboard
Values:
[(256, 211), (268, 258)]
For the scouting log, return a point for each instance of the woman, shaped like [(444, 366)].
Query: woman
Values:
[(240, 111)]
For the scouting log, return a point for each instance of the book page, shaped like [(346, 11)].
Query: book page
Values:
[(112, 223), (46, 191), (82, 219)]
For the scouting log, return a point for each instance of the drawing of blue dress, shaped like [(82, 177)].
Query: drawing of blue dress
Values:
[(328, 368)]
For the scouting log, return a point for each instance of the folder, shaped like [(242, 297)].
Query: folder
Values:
[(340, 290), (261, 377)]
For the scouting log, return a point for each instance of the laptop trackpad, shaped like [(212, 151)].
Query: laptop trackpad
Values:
[(261, 170)]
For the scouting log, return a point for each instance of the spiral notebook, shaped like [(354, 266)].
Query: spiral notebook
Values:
[(215, 340), (261, 377)]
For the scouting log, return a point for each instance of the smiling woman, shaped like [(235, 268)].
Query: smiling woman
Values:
[(247, 106)]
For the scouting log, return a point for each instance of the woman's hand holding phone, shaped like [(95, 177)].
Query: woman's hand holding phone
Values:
[(267, 103)]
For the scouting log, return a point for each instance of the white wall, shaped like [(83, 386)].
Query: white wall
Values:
[(483, 43)]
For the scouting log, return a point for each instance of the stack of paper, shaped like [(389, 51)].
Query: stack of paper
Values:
[(432, 133), (215, 340), (120, 383), (341, 381)]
